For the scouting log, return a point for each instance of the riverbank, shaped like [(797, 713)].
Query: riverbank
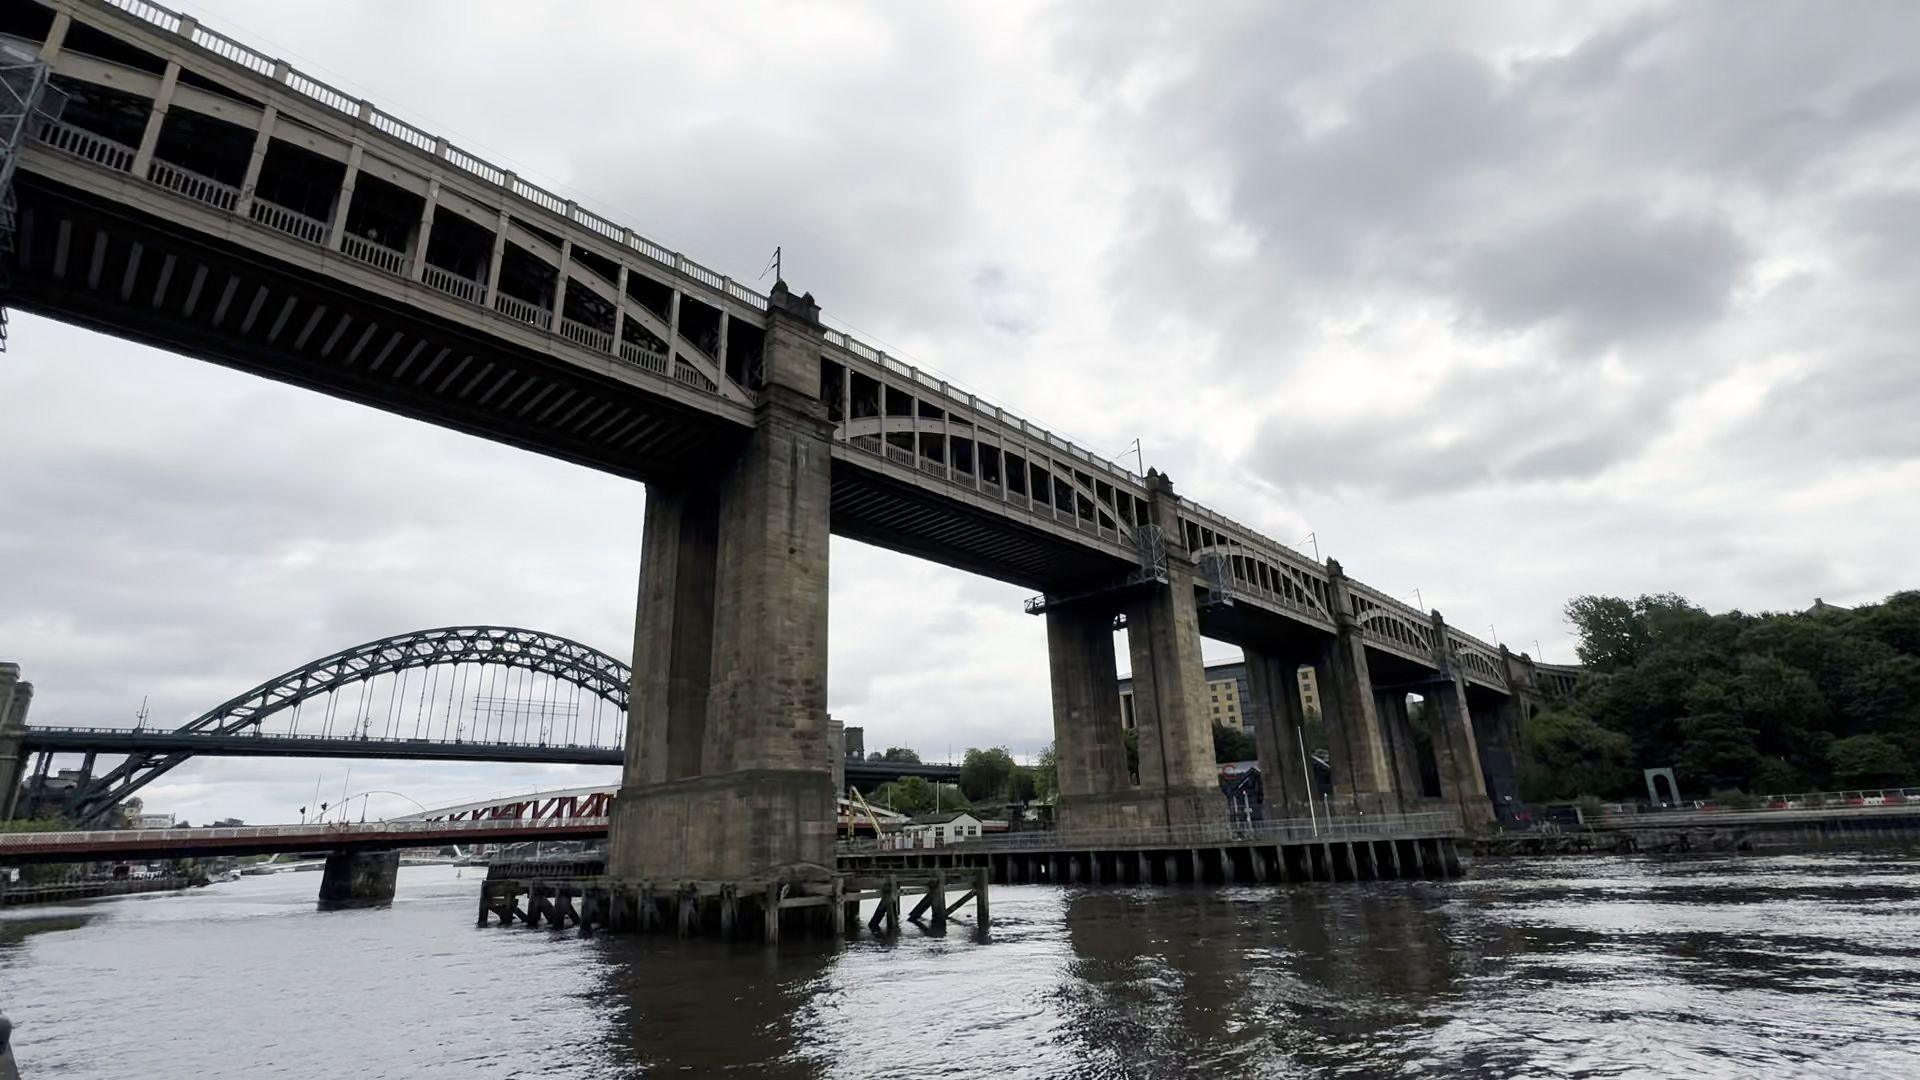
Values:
[(23, 895)]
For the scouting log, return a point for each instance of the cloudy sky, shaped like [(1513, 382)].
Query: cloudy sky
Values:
[(1503, 303)]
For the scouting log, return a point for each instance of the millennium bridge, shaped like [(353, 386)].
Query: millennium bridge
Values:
[(170, 185)]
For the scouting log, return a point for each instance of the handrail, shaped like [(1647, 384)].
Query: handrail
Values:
[(446, 281), (374, 254), (1380, 826), (206, 189), (520, 311), (292, 222), (85, 145), (295, 736)]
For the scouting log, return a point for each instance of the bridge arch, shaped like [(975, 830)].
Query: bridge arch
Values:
[(595, 672)]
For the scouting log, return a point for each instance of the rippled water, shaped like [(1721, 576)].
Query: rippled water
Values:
[(1782, 965)]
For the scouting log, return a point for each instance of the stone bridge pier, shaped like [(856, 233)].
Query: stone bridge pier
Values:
[(358, 878), (727, 776), (1178, 783), (15, 696)]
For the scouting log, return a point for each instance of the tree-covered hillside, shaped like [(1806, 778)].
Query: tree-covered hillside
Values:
[(1826, 698)]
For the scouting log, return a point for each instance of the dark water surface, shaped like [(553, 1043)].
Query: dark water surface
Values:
[(1776, 965)]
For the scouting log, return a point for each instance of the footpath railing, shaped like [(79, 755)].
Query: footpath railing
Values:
[(1288, 831), (351, 832), (1810, 800)]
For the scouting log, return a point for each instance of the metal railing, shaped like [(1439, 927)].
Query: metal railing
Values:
[(292, 222), (375, 255), (191, 184), (1809, 800), (42, 733), (446, 281), (355, 832), (1291, 830)]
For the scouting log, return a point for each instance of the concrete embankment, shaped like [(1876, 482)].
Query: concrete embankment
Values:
[(1639, 842)]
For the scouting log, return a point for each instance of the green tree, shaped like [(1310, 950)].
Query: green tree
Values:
[(1046, 775), (898, 755), (988, 773), (913, 795), (1868, 761), (1232, 744), (1718, 752), (1569, 756)]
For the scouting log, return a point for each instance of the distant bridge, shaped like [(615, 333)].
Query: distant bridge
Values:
[(237, 727), (105, 845)]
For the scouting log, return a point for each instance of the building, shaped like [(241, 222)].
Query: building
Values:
[(935, 830), (1227, 696), (153, 821)]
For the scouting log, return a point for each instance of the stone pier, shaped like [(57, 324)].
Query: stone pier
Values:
[(1273, 706), (1456, 752), (353, 879), (15, 696), (727, 777), (1363, 773), (1177, 783)]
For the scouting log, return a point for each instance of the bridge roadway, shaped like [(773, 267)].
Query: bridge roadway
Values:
[(85, 740), (106, 845), (195, 194)]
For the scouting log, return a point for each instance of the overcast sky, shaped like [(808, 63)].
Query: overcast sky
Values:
[(1503, 303)]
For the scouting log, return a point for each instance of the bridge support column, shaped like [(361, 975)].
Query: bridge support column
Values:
[(15, 696), (354, 879), (735, 785), (1273, 704), (1496, 734), (1402, 749), (1095, 791), (1455, 751), (1363, 777), (1170, 680)]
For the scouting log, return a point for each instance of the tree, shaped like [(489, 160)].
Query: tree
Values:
[(987, 774), (1868, 761), (1718, 752), (1616, 633), (1569, 756), (1232, 744), (912, 795), (897, 755), (1046, 775)]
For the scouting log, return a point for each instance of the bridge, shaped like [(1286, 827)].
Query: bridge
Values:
[(179, 188), (478, 694)]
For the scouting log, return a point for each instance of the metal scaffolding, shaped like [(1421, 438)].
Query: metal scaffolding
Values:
[(23, 92)]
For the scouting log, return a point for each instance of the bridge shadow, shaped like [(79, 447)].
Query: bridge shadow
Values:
[(704, 1008), (1252, 981)]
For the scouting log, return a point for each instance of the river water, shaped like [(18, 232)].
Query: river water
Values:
[(1773, 964)]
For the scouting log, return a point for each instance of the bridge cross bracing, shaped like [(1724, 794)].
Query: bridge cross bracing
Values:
[(196, 194)]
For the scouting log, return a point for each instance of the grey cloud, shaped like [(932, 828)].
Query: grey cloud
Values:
[(1605, 272)]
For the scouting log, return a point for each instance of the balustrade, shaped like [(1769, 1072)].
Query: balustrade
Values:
[(375, 255), (446, 281), (293, 223)]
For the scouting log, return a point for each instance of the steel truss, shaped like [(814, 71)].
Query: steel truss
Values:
[(507, 646)]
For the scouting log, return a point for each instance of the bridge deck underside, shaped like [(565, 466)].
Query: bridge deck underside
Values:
[(874, 508), (102, 262)]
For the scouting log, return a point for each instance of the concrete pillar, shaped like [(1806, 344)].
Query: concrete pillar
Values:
[(673, 636), (1496, 734), (262, 138), (1402, 749), (423, 235), (150, 138), (1087, 739), (761, 804), (15, 696), (1454, 749), (359, 879), (344, 202), (1363, 778), (837, 758), (1170, 682), (1273, 706)]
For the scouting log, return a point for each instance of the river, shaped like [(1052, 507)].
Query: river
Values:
[(1771, 964)]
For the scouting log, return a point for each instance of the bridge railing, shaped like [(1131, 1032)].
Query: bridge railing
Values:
[(1907, 797), (351, 832), (1291, 830), (44, 731)]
